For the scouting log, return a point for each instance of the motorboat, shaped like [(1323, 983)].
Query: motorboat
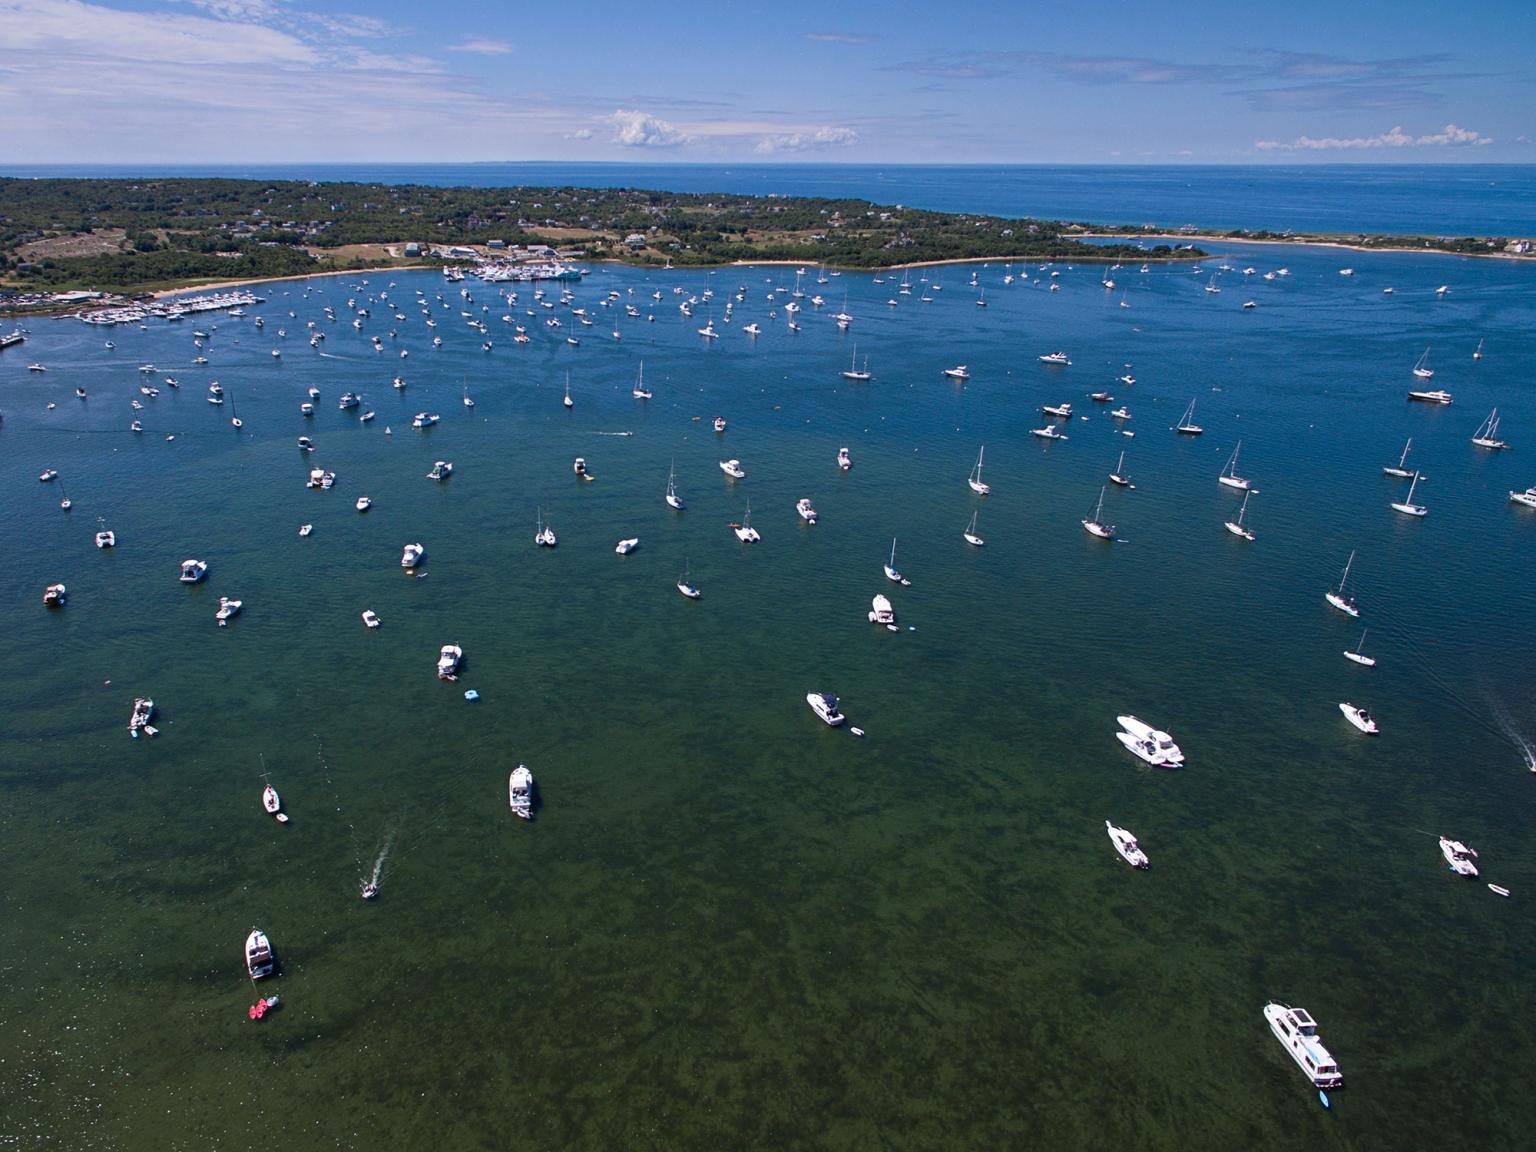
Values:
[(259, 960), (1229, 475), (843, 460), (106, 538), (54, 595), (307, 408), (371, 619), (806, 509), (412, 555), (978, 486), (136, 426), (1528, 497), (306, 444), (1358, 656), (881, 612), (193, 570), (1094, 525), (520, 791), (1359, 717), (1337, 596), (1458, 857), (448, 660), (1487, 434), (364, 503), (1398, 469), (1297, 1033), (824, 704), (273, 803), (227, 609), (1101, 397), (579, 467), (1186, 424), (1049, 432), (970, 533), (306, 529), (1055, 358), (424, 419), (349, 400), (625, 547), (958, 372), (1438, 396), (1236, 527), (143, 709), (48, 474), (1121, 413), (1151, 744), (313, 392), (732, 468), (1125, 844), (1062, 411), (441, 470), (744, 531), (1406, 505), (890, 568), (366, 416), (719, 423)]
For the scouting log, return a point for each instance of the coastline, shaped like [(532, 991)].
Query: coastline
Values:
[(1302, 242), (222, 285)]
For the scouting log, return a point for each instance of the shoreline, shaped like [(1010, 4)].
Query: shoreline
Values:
[(1302, 242), (222, 285)]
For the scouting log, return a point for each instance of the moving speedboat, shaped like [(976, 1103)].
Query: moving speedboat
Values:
[(1297, 1033), (259, 960), (193, 570), (1458, 857), (881, 612), (824, 704), (448, 660), (412, 555), (806, 510), (227, 609), (1359, 717), (520, 791), (1125, 844), (732, 468), (1150, 744)]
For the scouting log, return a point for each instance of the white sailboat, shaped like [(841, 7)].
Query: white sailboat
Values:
[(977, 486), (854, 372), (1229, 475), (1187, 423), (1118, 476), (673, 500), (569, 403), (1478, 355), (640, 391), (1337, 596), (1407, 506), (744, 531), (1095, 525), (970, 533), (1236, 527), (1487, 434), (686, 586), (1422, 370), (1359, 657), (890, 568), (1399, 470)]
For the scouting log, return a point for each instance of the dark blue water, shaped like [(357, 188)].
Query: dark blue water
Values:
[(1439, 199)]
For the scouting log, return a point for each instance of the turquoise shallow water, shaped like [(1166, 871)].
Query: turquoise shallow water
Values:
[(729, 925)]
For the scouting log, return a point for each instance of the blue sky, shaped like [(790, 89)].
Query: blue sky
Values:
[(210, 81)]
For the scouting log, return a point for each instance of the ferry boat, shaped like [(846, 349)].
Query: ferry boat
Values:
[(824, 704), (1297, 1033)]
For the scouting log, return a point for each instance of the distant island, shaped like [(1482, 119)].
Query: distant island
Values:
[(137, 236)]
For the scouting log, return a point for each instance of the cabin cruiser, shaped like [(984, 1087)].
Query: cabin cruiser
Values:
[(307, 409), (399, 383), (306, 444), (732, 468), (1458, 857), (1101, 397), (824, 704), (48, 474), (744, 531), (881, 612), (193, 570), (1150, 744), (349, 400), (1528, 497), (448, 660), (843, 460), (412, 555), (1055, 358), (1121, 413), (424, 420), (579, 466), (1438, 396), (1125, 844), (143, 709), (1360, 718), (958, 372), (370, 619), (259, 960), (1049, 432), (806, 509), (306, 529), (1297, 1033), (1062, 410), (520, 791), (625, 547), (314, 393), (364, 503), (320, 478), (227, 609), (136, 426), (719, 423), (54, 595), (441, 470)]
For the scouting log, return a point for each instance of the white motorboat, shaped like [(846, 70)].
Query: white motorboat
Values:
[(719, 423), (1063, 411), (1236, 527), (1337, 596), (424, 419), (1049, 432), (449, 657), (143, 709), (1118, 476), (307, 408), (1125, 844), (48, 474), (1187, 424), (1359, 657), (824, 704), (1487, 434), (1151, 744), (978, 486), (890, 568), (1229, 475), (752, 330), (673, 499), (1094, 525), (1528, 497), (958, 372), (259, 960), (1407, 506), (367, 416), (806, 509), (364, 503), (744, 531), (228, 609), (1422, 370), (1399, 470), (1359, 717), (732, 468), (306, 444), (1055, 358), (412, 555), (625, 547), (371, 619), (348, 400), (881, 612), (441, 470), (306, 529), (1438, 396), (273, 803), (54, 595), (843, 460), (193, 570), (579, 467), (1121, 413), (1297, 1033), (970, 533), (1458, 857), (520, 791)]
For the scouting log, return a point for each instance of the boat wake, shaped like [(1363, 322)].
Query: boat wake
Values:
[(1506, 723), (613, 433), (372, 880)]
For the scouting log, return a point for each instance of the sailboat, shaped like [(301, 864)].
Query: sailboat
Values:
[(1095, 525), (673, 500), (977, 486), (468, 403), (853, 372), (640, 391), (1478, 355), (1229, 475), (970, 533), (1337, 596), (890, 568), (744, 531), (1236, 527), (546, 534), (1422, 369), (234, 420), (686, 586), (1187, 423), (1407, 506), (1118, 476), (1358, 657), (1487, 434), (569, 403), (1401, 460)]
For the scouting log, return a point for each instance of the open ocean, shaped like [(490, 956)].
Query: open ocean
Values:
[(730, 926)]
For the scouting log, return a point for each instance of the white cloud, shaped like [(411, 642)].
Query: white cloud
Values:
[(582, 134), (820, 138), (482, 47), (838, 38), (635, 129), (1449, 137)]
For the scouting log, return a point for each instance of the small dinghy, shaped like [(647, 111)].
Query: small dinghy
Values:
[(1498, 891)]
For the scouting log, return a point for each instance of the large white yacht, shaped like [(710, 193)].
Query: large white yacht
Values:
[(958, 372), (1438, 396), (1458, 857), (824, 704), (1360, 718), (1150, 744), (1297, 1033), (412, 555), (448, 660), (520, 791), (1528, 497), (1125, 844), (259, 961)]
